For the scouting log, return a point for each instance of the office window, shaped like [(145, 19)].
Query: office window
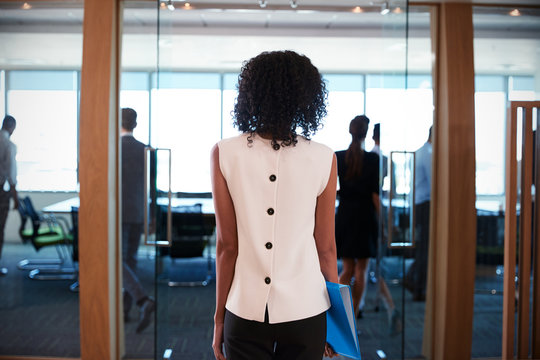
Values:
[(490, 105), (135, 94), (345, 101), (405, 115), (186, 109), (45, 105), (2, 94), (229, 96), (521, 88)]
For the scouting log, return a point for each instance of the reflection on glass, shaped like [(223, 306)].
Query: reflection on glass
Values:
[(134, 94), (401, 199), (39, 87), (45, 105), (505, 71), (186, 119)]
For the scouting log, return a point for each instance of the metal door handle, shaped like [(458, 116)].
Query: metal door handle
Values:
[(147, 159), (390, 242)]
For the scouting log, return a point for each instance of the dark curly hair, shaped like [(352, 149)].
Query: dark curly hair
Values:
[(278, 93)]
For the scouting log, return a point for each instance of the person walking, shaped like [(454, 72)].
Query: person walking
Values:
[(274, 196), (416, 277), (8, 177), (132, 220), (357, 213)]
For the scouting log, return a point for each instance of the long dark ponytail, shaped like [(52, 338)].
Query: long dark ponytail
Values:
[(355, 154)]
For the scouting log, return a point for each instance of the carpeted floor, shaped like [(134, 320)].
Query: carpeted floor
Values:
[(42, 317)]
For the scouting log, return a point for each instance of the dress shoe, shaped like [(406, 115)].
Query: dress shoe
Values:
[(146, 313), (3, 271)]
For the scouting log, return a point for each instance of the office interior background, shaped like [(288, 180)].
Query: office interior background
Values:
[(179, 66)]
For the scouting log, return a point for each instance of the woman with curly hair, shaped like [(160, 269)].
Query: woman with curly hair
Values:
[(274, 196)]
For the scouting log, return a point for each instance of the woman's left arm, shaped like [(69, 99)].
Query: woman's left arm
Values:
[(324, 227)]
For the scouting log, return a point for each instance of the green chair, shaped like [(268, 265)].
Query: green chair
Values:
[(43, 231)]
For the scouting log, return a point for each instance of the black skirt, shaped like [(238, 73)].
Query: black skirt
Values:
[(356, 231)]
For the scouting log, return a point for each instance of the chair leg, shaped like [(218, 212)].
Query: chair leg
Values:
[(53, 274), (74, 287), (31, 264)]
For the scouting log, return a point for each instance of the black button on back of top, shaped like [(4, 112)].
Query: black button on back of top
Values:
[(270, 211), (276, 146), (268, 245), (267, 280), (272, 177)]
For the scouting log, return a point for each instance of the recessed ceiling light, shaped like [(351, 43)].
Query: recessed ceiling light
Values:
[(357, 9), (397, 10), (515, 12), (187, 5), (26, 6)]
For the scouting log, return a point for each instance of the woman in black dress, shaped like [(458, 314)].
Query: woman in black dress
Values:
[(356, 218)]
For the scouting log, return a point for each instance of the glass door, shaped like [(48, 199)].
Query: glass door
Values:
[(137, 166), (402, 101), (363, 53)]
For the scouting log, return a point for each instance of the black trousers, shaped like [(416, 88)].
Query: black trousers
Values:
[(295, 340), (4, 210)]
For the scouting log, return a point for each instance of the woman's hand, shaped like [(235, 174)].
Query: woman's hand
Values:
[(328, 351), (217, 344)]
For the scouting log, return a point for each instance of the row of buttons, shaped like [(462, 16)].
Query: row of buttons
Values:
[(270, 211), (272, 178), (268, 246)]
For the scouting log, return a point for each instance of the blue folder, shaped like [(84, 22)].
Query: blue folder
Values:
[(340, 321)]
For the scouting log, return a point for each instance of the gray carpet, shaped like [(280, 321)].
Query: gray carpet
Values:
[(42, 317)]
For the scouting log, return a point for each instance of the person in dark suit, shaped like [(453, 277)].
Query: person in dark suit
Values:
[(416, 277), (132, 220)]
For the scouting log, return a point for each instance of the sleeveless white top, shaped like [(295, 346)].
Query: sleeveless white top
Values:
[(274, 193)]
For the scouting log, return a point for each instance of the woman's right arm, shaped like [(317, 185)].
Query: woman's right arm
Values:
[(226, 247)]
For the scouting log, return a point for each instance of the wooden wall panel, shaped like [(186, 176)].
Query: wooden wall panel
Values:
[(453, 221), (98, 174)]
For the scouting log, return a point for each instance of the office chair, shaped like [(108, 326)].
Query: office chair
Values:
[(74, 235), (43, 231), (191, 236)]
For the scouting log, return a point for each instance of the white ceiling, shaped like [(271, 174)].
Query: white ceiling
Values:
[(219, 35)]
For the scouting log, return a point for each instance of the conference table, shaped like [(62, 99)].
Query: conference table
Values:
[(207, 204)]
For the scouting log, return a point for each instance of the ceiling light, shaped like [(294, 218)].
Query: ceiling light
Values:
[(262, 3), (170, 5), (357, 9), (163, 6), (397, 10), (293, 4), (187, 5), (26, 6), (384, 9), (515, 12)]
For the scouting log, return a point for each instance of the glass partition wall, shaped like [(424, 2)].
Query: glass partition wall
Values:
[(39, 74), (362, 53), (137, 78), (507, 58)]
